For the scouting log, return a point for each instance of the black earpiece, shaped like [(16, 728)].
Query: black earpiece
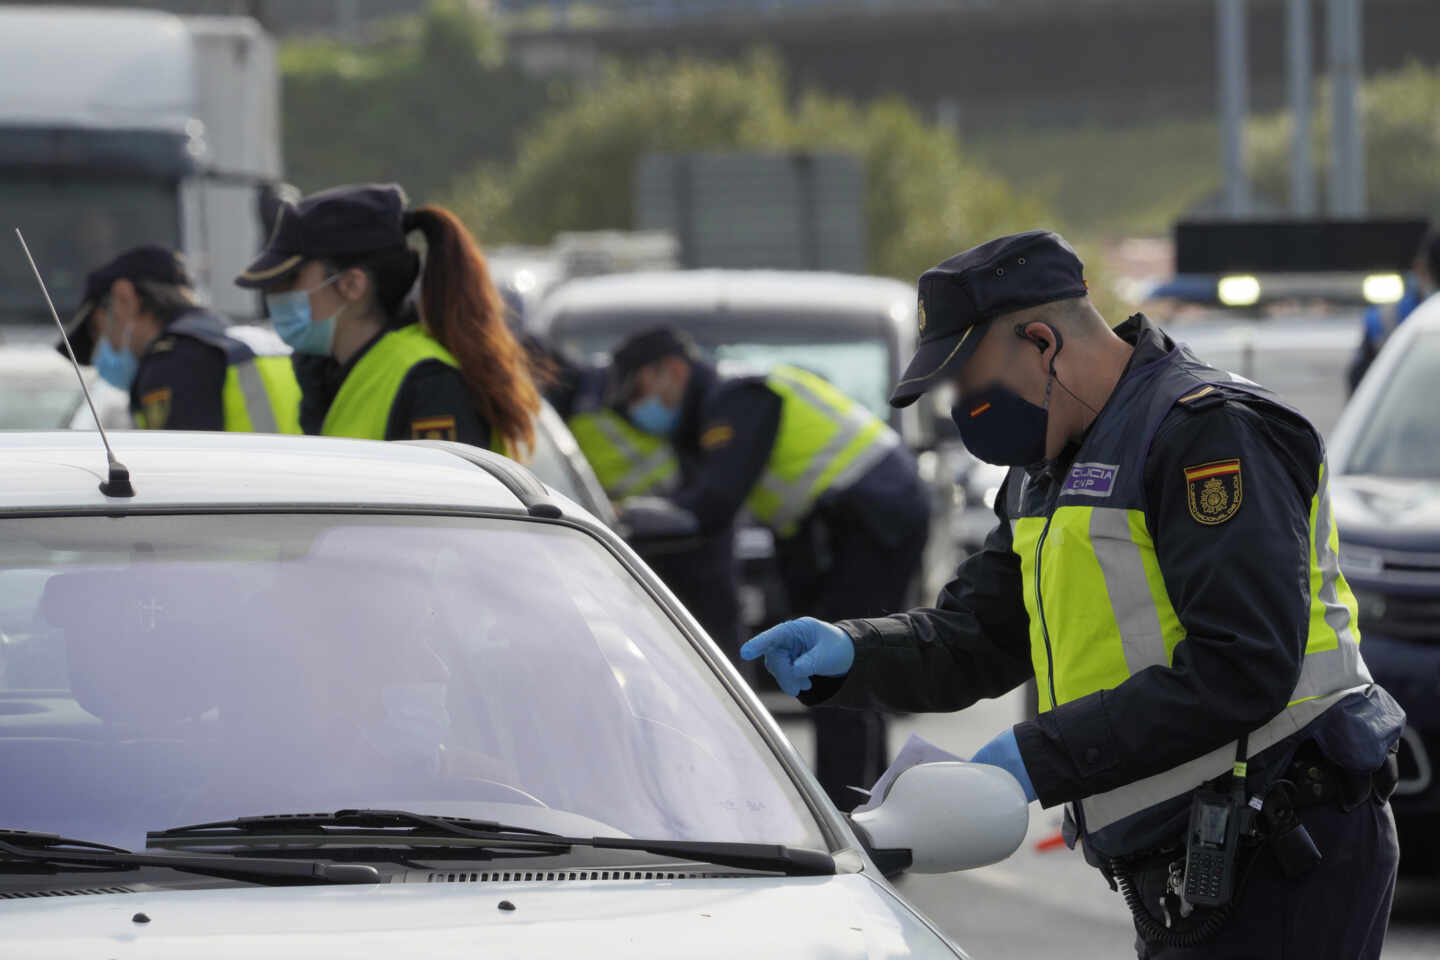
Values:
[(1040, 344)]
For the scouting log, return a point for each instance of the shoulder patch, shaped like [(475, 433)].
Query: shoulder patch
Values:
[(163, 345), (433, 428), (717, 436), (155, 405), (1203, 398), (1214, 491)]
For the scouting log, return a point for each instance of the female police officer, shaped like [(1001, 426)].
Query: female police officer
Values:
[(337, 273)]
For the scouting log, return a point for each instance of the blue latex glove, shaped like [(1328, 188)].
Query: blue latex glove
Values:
[(797, 650), (1004, 752)]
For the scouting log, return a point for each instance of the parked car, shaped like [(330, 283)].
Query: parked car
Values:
[(856, 331), (518, 742), (1385, 455), (38, 391)]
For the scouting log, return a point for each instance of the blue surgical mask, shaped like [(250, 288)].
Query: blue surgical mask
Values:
[(116, 367), (652, 416), (290, 312)]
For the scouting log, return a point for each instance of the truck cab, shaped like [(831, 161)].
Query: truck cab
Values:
[(123, 127)]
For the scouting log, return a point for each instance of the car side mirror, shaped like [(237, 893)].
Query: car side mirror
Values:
[(654, 525), (943, 817)]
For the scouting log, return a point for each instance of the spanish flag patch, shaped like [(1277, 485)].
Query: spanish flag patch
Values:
[(433, 428), (1214, 491)]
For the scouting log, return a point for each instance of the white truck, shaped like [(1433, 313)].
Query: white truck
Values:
[(123, 127)]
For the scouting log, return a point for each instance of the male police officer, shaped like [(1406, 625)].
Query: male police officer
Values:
[(1381, 321), (1165, 564), (142, 327), (833, 482)]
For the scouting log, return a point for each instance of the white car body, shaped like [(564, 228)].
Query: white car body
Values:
[(971, 814)]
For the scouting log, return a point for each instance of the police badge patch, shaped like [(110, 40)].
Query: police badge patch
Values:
[(1214, 491), (155, 407)]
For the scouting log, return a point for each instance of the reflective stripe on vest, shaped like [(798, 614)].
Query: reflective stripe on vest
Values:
[(261, 396), (826, 441), (628, 461), (1092, 577), (362, 406)]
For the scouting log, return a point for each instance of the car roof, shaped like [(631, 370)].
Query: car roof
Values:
[(62, 470), (799, 296)]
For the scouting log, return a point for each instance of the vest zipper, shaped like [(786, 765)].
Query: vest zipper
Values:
[(1040, 609)]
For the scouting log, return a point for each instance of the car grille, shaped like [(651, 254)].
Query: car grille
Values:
[(78, 892), (556, 876), (1400, 616)]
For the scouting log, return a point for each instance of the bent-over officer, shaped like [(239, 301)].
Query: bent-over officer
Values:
[(832, 481), (1165, 564), (146, 333)]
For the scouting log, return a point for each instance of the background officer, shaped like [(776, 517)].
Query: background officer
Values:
[(1380, 321), (834, 483), (337, 275), (1170, 611), (143, 329)]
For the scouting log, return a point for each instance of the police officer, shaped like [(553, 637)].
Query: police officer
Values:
[(627, 461), (337, 274), (1166, 566), (834, 483), (143, 329), (1381, 321)]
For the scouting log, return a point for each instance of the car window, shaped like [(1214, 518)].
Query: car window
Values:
[(558, 463), (1401, 435), (156, 671)]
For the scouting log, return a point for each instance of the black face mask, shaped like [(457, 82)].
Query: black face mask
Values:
[(1000, 426)]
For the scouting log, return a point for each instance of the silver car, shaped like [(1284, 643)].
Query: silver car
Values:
[(307, 697)]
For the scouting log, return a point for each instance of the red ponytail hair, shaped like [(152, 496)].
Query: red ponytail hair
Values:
[(464, 312)]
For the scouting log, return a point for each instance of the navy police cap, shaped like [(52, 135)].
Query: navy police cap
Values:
[(148, 263), (642, 349), (341, 222), (960, 296)]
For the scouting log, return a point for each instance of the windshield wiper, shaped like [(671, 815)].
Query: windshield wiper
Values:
[(416, 829), (23, 846)]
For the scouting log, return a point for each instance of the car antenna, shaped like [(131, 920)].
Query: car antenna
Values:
[(117, 484)]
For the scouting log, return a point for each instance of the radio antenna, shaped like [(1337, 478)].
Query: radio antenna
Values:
[(117, 484)]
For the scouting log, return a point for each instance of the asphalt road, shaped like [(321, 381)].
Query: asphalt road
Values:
[(1051, 903)]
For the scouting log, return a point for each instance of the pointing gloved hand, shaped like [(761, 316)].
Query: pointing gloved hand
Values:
[(1004, 752), (797, 650)]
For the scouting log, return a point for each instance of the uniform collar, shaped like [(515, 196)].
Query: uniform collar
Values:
[(703, 378), (1151, 344)]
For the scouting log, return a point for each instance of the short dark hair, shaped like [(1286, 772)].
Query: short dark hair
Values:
[(1429, 252)]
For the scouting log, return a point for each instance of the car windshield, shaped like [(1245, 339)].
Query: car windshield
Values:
[(860, 367), (73, 226), (167, 670), (1402, 434)]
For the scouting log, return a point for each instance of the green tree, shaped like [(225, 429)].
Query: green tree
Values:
[(924, 200), (429, 97), (1400, 113)]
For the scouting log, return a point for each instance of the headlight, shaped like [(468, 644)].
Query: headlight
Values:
[(1383, 288), (990, 494), (1239, 291), (1361, 561), (1371, 606)]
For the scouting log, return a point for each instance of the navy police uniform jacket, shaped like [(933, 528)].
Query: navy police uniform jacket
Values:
[(1233, 585)]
